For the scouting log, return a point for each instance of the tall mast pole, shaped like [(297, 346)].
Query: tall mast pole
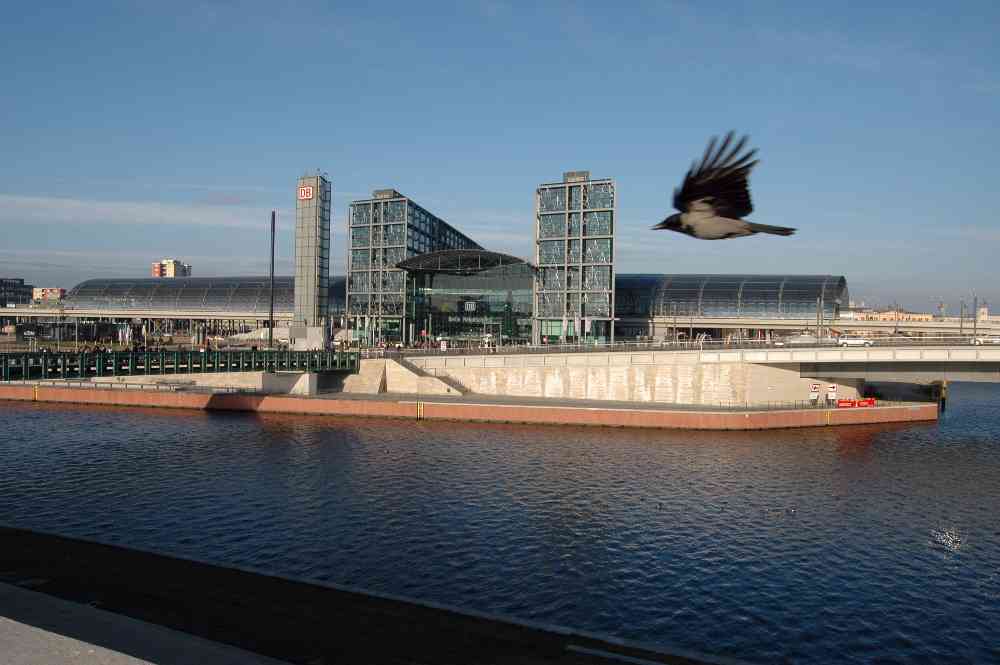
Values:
[(270, 316)]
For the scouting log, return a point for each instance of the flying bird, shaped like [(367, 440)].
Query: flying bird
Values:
[(714, 196)]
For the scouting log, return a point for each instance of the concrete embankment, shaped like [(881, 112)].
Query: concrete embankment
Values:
[(480, 408), (292, 620)]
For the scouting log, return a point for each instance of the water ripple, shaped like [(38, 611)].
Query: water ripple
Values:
[(857, 544)]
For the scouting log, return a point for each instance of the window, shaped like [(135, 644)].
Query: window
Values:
[(552, 226), (392, 280), (360, 237), (574, 197), (598, 195), (574, 252), (597, 278), (361, 214), (597, 251), (596, 304), (553, 278), (597, 223), (574, 225), (552, 199), (359, 281), (357, 304), (359, 258), (551, 252), (572, 278), (392, 255), (550, 304), (394, 234)]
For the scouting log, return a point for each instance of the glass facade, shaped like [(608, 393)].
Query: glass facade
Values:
[(238, 295), (492, 304), (13, 291), (383, 231), (574, 292), (730, 296)]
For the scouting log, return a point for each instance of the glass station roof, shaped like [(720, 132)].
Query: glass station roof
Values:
[(458, 261)]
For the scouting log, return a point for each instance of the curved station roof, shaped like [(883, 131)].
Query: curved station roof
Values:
[(771, 296), (458, 261), (193, 294)]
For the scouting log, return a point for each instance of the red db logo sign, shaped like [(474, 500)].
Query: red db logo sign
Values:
[(305, 193)]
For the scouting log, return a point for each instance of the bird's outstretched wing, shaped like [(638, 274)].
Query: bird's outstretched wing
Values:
[(720, 180)]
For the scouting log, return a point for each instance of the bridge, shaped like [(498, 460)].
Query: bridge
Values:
[(659, 326), (721, 374), (663, 326), (902, 364), (39, 366)]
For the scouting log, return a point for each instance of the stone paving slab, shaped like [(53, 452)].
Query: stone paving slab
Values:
[(37, 629)]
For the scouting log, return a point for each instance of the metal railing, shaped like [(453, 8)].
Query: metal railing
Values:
[(685, 345), (131, 385), (798, 405), (46, 365)]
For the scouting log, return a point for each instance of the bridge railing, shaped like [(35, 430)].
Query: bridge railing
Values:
[(684, 345), (134, 385), (45, 365)]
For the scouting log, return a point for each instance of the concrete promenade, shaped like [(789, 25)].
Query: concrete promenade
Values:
[(37, 629), (481, 408)]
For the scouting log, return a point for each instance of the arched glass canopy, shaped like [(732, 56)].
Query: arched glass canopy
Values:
[(731, 296), (245, 295)]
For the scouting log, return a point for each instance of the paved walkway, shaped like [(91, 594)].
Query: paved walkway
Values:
[(38, 629), (565, 402)]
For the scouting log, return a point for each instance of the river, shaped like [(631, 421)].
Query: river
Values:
[(853, 544)]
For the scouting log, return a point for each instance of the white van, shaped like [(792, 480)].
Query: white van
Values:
[(854, 341)]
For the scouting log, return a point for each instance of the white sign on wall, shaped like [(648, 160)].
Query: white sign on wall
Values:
[(305, 193)]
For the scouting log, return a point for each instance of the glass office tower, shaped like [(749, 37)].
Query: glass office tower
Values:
[(383, 231), (574, 289)]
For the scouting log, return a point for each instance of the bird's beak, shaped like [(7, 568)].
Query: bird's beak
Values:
[(671, 223)]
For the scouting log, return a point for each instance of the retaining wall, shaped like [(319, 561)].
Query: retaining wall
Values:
[(556, 414), (664, 377)]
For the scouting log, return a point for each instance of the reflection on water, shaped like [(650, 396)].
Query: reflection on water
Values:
[(848, 544)]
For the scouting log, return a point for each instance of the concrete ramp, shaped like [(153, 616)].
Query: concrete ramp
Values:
[(405, 377), (370, 379)]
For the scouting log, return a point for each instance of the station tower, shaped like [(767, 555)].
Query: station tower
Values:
[(312, 262)]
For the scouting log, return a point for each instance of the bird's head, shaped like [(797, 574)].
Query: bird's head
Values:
[(672, 223)]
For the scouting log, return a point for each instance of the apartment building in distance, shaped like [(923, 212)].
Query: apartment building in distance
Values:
[(171, 268)]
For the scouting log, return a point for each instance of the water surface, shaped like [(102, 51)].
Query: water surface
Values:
[(854, 544)]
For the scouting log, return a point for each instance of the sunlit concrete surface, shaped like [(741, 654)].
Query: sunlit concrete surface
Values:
[(37, 629)]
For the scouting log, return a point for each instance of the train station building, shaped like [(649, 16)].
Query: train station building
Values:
[(415, 279)]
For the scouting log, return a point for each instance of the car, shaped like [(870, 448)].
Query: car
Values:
[(801, 340), (986, 339), (854, 341)]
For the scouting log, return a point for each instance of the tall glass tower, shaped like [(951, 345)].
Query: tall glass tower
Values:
[(312, 250), (384, 230), (575, 253)]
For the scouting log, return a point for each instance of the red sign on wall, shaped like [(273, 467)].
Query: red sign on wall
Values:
[(305, 193)]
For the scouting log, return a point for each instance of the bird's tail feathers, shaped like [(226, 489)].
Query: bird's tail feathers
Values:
[(773, 230)]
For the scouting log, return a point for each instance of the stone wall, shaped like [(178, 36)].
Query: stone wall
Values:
[(666, 377), (295, 383)]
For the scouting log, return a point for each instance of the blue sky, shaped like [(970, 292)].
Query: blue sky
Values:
[(133, 130)]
